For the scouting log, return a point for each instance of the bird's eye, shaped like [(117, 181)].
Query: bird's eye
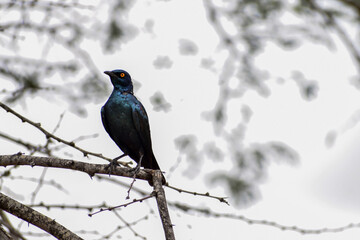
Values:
[(122, 75)]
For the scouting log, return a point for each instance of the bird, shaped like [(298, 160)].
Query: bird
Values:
[(127, 123)]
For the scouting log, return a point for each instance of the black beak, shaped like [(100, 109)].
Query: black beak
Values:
[(108, 73)]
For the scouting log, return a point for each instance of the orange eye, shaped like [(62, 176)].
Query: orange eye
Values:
[(122, 75)]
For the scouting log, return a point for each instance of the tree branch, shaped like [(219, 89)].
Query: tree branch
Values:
[(162, 205), (50, 135), (31, 216), (89, 168), (207, 194), (92, 169), (122, 205), (20, 142), (210, 213)]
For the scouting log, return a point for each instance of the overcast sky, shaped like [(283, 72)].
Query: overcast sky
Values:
[(321, 191)]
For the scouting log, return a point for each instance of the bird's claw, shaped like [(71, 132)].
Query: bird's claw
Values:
[(112, 165), (135, 170)]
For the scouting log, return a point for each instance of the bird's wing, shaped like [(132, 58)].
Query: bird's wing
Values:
[(141, 123), (104, 121)]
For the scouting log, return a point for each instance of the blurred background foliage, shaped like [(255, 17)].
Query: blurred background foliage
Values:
[(244, 28)]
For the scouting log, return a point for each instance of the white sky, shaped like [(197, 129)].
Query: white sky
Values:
[(321, 191)]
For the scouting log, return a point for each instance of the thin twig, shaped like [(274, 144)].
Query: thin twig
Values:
[(64, 206), (123, 184), (32, 179), (129, 225), (48, 140), (122, 205), (39, 185), (50, 135), (208, 212), (90, 208), (130, 187), (221, 199), (76, 140), (27, 145)]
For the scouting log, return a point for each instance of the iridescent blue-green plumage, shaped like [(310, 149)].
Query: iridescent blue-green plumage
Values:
[(125, 120)]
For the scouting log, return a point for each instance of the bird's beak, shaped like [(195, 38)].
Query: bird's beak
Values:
[(108, 73)]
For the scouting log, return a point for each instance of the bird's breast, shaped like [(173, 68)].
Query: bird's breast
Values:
[(118, 107)]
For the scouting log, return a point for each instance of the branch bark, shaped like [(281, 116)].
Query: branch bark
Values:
[(162, 205), (31, 216), (89, 168)]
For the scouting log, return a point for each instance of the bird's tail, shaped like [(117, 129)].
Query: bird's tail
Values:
[(151, 163)]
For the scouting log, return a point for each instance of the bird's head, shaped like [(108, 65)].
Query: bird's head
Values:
[(121, 80)]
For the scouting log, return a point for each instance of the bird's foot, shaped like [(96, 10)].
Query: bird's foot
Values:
[(114, 163), (112, 166), (135, 170)]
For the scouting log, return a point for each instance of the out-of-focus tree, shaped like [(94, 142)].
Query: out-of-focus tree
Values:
[(62, 66), (245, 27), (63, 26), (76, 78)]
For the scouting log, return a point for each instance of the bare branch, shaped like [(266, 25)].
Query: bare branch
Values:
[(64, 206), (128, 225), (50, 135), (162, 205), (39, 185), (208, 212), (27, 145), (52, 183), (125, 185), (122, 205), (221, 199), (90, 208), (31, 216), (89, 168)]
